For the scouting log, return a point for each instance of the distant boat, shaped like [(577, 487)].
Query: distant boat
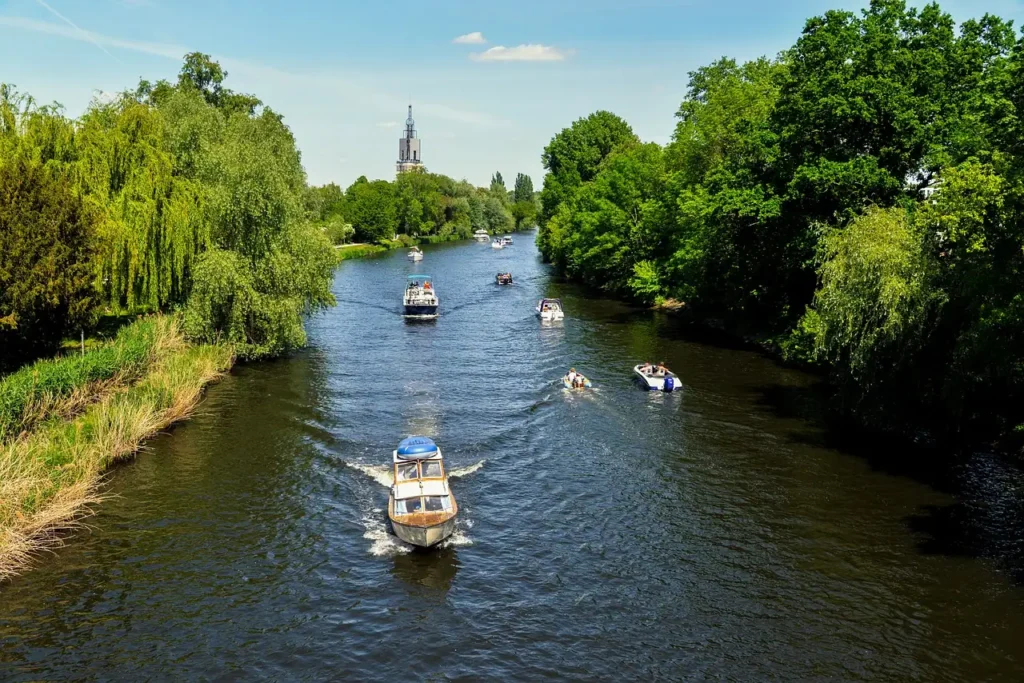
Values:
[(580, 383), (415, 254), (421, 507), (657, 380), (497, 244), (550, 309), (503, 278), (481, 236), (506, 241), (420, 299)]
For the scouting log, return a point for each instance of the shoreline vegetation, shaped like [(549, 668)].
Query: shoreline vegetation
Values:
[(855, 204), (69, 419), (173, 226)]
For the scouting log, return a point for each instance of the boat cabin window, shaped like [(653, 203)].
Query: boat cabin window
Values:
[(408, 506), (431, 469), (438, 503), (407, 471)]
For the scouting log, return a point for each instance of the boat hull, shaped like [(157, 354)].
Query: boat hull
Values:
[(420, 310), (424, 536), (568, 385), (656, 383)]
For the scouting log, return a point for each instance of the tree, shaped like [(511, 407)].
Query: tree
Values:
[(372, 210), (46, 277), (523, 191)]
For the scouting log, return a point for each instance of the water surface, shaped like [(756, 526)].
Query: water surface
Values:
[(614, 534)]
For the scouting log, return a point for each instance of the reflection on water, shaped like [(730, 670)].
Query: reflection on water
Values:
[(719, 532)]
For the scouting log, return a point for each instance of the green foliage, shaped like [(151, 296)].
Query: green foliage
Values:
[(373, 210), (46, 243), (124, 360), (858, 199), (523, 191)]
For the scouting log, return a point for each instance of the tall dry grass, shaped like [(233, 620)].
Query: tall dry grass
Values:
[(49, 477)]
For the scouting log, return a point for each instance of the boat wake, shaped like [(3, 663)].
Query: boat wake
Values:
[(460, 472), (379, 473), (383, 543)]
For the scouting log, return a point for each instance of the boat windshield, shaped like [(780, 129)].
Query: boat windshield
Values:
[(431, 469), (407, 472), (437, 503), (408, 506)]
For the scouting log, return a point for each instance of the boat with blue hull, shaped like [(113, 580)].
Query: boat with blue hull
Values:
[(657, 378), (420, 299), (421, 507)]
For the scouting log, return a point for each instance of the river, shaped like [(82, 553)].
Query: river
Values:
[(720, 533)]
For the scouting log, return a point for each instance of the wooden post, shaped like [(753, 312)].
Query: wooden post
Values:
[(83, 341)]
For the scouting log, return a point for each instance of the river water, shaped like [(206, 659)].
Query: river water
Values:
[(616, 534)]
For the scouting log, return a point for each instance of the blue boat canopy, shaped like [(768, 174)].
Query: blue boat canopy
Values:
[(417, 447), (420, 277)]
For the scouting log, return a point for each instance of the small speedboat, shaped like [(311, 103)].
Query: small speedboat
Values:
[(497, 244), (657, 378), (421, 507), (550, 309), (503, 278), (506, 241), (481, 236), (415, 254), (580, 382), (420, 299)]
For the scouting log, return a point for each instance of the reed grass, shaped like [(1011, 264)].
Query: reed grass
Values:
[(50, 477), (360, 250), (62, 386)]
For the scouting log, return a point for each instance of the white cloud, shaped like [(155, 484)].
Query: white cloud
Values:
[(521, 53), (474, 38)]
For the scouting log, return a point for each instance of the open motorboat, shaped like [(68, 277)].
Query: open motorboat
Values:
[(415, 254), (497, 244), (550, 309), (503, 278), (421, 507), (481, 236), (657, 377), (575, 380), (506, 241), (420, 299)]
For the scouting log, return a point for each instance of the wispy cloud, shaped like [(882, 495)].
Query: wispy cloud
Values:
[(85, 34), (387, 124), (354, 86), (521, 53), (101, 41), (474, 38)]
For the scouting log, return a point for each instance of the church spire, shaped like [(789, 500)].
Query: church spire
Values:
[(409, 147)]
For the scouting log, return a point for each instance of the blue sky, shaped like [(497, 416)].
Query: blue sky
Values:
[(342, 72)]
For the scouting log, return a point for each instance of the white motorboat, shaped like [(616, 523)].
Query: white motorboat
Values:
[(497, 244), (420, 299), (415, 254), (506, 241), (421, 507), (550, 309), (481, 236), (657, 378)]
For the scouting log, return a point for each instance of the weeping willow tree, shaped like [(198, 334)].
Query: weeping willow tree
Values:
[(154, 224)]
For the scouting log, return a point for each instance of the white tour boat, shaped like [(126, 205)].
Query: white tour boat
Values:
[(550, 309), (420, 299), (506, 241), (421, 507), (415, 254), (657, 378), (481, 236)]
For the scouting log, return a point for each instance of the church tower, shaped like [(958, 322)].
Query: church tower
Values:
[(409, 157)]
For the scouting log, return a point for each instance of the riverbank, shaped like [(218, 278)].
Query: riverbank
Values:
[(351, 251), (63, 422)]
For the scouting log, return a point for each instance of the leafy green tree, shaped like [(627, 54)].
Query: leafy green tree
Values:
[(523, 191), (373, 210), (46, 277)]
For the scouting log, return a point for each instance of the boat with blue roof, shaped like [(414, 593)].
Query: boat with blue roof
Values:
[(421, 507), (420, 298)]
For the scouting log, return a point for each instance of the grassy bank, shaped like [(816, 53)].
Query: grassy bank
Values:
[(350, 251), (50, 474)]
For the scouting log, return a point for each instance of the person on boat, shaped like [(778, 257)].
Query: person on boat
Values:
[(646, 368), (427, 285), (572, 376), (579, 382), (662, 370)]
